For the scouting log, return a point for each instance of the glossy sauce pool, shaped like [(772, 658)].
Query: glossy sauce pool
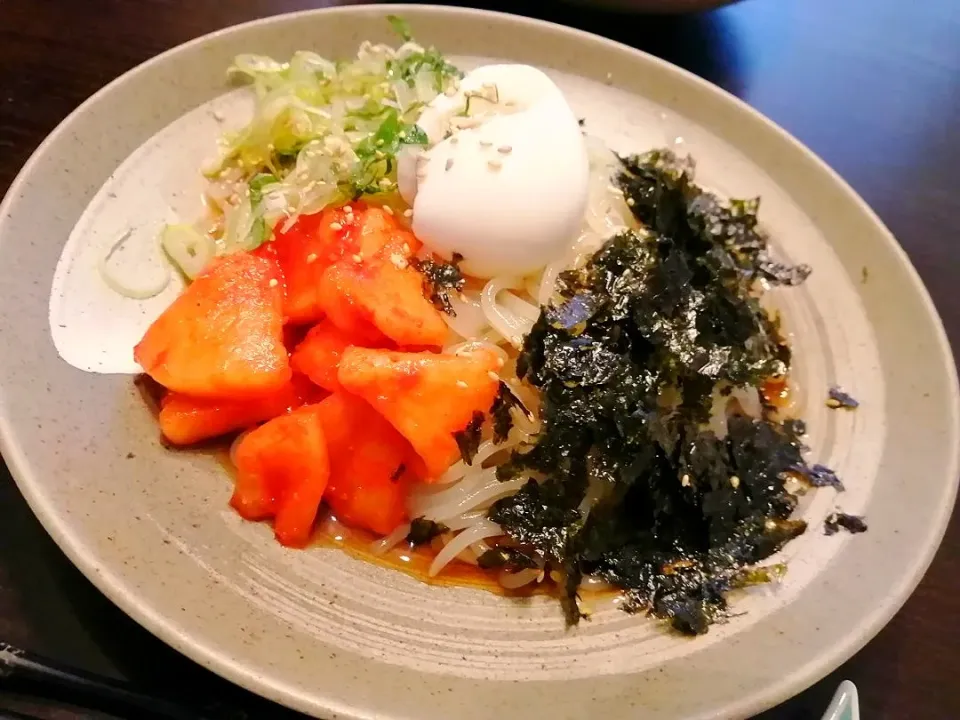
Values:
[(415, 561), (329, 532)]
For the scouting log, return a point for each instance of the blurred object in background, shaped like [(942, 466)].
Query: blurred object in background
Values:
[(707, 44), (659, 6)]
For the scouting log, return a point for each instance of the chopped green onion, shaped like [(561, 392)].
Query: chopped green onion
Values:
[(401, 27), (121, 287), (190, 250)]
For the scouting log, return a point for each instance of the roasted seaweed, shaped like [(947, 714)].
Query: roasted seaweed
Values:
[(837, 399), (820, 476), (500, 412), (442, 278), (834, 522), (468, 439), (625, 481), (423, 531), (507, 558)]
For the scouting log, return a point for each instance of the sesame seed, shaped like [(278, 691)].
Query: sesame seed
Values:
[(493, 376), (274, 282), (500, 362), (388, 210), (769, 525), (494, 164), (449, 164), (312, 258), (358, 258), (685, 480), (485, 143), (734, 482), (336, 226), (406, 246), (505, 149), (631, 202), (407, 213), (379, 142), (462, 384)]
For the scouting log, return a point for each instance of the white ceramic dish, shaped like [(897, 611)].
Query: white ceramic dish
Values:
[(332, 636)]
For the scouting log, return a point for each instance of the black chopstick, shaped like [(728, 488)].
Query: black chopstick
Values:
[(48, 678)]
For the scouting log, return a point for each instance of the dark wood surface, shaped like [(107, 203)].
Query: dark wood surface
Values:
[(873, 86)]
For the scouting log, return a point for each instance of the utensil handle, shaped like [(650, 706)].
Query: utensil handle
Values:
[(50, 678)]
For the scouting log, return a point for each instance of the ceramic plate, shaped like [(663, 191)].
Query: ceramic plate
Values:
[(330, 635)]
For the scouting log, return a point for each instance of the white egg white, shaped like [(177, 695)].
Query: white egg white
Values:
[(504, 182)]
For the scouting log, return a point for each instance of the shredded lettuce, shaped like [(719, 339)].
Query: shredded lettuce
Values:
[(187, 248), (323, 132)]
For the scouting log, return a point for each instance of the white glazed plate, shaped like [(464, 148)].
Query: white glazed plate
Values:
[(332, 636)]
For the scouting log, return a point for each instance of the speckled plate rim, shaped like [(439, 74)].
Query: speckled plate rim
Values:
[(112, 583)]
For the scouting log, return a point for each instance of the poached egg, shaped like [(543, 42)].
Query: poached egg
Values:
[(504, 181)]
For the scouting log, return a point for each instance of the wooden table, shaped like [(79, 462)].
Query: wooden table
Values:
[(873, 86)]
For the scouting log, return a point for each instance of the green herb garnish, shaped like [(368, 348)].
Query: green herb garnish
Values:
[(401, 27), (259, 232), (377, 153), (429, 61)]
